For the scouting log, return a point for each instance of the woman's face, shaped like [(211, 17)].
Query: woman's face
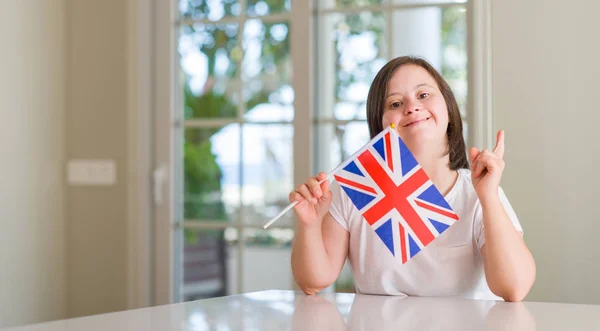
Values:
[(416, 106)]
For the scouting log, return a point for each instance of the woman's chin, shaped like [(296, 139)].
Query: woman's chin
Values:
[(418, 135), (419, 140)]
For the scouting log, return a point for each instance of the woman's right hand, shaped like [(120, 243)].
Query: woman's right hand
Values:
[(313, 200)]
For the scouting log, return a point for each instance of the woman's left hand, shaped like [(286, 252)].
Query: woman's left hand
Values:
[(487, 168)]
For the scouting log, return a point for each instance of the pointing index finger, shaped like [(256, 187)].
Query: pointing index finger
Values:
[(499, 149)]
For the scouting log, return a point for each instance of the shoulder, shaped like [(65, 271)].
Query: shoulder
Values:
[(465, 176), (336, 191), (338, 209)]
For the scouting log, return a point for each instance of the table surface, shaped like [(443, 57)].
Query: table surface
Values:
[(288, 310)]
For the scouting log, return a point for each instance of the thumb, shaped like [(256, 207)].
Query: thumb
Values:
[(473, 153), (321, 176), (324, 185)]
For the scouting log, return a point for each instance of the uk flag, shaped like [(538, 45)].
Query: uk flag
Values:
[(395, 196)]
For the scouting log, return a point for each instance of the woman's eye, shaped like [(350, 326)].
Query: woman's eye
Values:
[(423, 95), (395, 104)]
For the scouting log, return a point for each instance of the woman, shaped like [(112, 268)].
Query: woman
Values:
[(481, 256)]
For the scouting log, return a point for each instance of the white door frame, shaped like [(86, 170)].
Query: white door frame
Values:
[(149, 141), (140, 153), (166, 101)]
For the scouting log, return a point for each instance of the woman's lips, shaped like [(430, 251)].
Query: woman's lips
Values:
[(417, 121)]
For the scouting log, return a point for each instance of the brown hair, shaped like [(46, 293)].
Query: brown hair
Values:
[(376, 99)]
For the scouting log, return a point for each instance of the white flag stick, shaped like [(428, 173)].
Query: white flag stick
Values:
[(291, 205), (343, 164)]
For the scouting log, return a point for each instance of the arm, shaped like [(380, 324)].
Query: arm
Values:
[(318, 254), (509, 266), (321, 244), (508, 263)]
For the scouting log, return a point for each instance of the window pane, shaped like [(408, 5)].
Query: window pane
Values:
[(211, 173), (209, 57), (438, 35), (267, 71), (267, 259), (267, 7), (351, 49), (336, 143), (268, 172), (329, 4), (213, 10), (209, 260), (454, 55)]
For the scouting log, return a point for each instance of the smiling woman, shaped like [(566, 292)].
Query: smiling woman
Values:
[(481, 256)]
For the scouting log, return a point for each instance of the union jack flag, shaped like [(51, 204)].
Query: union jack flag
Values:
[(395, 196)]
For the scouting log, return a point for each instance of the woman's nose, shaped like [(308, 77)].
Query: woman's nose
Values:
[(411, 107)]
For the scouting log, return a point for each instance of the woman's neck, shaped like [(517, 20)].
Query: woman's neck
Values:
[(435, 162)]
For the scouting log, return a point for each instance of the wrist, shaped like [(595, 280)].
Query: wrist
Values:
[(311, 227), (490, 200)]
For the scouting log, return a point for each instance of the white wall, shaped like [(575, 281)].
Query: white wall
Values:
[(96, 128), (546, 64), (264, 268), (32, 109), (63, 95)]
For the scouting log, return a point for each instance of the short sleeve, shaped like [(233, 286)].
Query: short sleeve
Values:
[(339, 206), (478, 221)]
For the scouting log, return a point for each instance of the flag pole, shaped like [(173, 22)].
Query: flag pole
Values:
[(343, 164), (291, 205)]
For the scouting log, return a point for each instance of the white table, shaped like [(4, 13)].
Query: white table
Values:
[(287, 310)]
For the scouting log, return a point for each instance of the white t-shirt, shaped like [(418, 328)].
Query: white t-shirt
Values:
[(451, 265)]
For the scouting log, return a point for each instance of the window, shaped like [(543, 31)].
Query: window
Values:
[(237, 124), (355, 38), (236, 172)]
